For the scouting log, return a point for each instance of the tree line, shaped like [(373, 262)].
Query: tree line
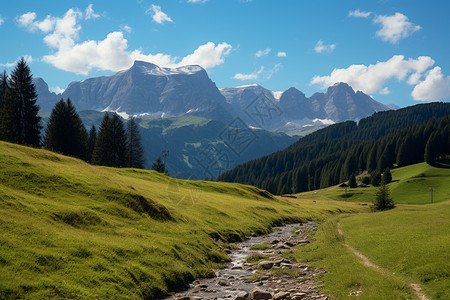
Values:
[(114, 145), (333, 154)]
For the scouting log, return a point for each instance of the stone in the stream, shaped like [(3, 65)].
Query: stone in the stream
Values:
[(289, 244), (298, 296), (223, 283), (257, 294), (281, 296), (286, 266), (195, 298), (266, 265), (183, 298), (275, 241), (242, 296), (281, 246)]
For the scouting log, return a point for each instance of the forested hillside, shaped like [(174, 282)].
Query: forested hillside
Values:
[(331, 155)]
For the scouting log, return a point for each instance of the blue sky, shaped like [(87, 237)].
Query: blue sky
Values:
[(396, 51)]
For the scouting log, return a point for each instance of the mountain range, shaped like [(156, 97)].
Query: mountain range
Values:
[(147, 89)]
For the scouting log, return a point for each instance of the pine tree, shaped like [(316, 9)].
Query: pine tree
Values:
[(25, 118), (383, 200), (375, 178), (135, 150), (91, 143), (431, 149), (4, 86), (111, 144), (65, 132), (101, 154), (158, 165), (387, 176), (372, 160), (352, 181)]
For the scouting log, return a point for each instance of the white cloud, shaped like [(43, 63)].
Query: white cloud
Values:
[(435, 87), (261, 73), (90, 14), (251, 76), (261, 53), (208, 55), (322, 48), (273, 71), (384, 91), (281, 54), (28, 58), (112, 53), (27, 20), (1, 20), (359, 14), (158, 15), (395, 27), (65, 31), (197, 1), (126, 28), (371, 79)]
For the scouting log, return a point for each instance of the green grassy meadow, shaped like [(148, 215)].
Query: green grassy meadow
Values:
[(411, 185), (410, 243), (73, 230)]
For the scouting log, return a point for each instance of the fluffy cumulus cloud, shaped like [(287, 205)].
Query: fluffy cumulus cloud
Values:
[(435, 87), (261, 53), (158, 15), (1, 20), (208, 55), (372, 78), (281, 54), (197, 1), (395, 27), (322, 48), (359, 14), (112, 53), (27, 21)]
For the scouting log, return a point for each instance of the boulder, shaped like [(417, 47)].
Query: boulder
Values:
[(282, 296), (266, 265), (257, 294), (242, 296)]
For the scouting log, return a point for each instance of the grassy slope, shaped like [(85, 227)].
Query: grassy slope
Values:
[(410, 241), (410, 185), (71, 230)]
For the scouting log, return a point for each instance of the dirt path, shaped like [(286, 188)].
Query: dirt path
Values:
[(414, 286), (262, 268)]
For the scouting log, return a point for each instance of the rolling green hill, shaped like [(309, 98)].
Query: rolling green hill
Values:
[(411, 185), (73, 230)]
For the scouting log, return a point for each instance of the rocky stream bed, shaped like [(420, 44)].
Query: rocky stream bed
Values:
[(261, 268)]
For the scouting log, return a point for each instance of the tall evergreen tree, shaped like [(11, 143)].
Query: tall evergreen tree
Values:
[(383, 200), (25, 117), (431, 149), (111, 144), (4, 86), (352, 181), (135, 150), (375, 178), (91, 142), (387, 176), (65, 132)]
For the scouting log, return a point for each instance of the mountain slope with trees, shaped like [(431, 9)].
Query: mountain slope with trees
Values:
[(333, 154)]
